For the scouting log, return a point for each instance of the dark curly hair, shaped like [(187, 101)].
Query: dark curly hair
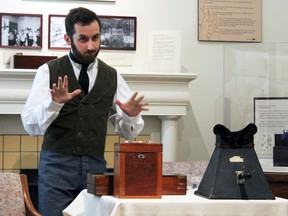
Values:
[(81, 16)]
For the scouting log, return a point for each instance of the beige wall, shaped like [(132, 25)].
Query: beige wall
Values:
[(196, 140)]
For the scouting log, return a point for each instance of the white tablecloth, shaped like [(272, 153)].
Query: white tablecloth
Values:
[(189, 205)]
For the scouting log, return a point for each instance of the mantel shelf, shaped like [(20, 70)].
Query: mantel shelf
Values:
[(129, 77), (167, 93)]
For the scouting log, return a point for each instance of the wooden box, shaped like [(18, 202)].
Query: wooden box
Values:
[(29, 62), (174, 185), (99, 185), (138, 170)]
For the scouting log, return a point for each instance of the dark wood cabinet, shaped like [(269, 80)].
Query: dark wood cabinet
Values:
[(29, 62), (278, 182)]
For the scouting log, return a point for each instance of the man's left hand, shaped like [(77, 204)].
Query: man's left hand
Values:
[(134, 106)]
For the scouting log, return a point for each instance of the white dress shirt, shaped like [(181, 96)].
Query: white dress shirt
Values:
[(40, 111)]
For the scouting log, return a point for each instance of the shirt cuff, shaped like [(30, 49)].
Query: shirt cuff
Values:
[(133, 119), (54, 106)]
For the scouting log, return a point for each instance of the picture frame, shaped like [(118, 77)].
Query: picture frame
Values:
[(118, 32), (56, 31), (21, 31), (271, 119), (100, 0)]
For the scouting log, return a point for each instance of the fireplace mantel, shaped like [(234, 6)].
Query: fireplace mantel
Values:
[(167, 94)]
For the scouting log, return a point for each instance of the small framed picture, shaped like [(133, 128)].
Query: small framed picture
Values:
[(101, 0), (21, 31), (118, 32), (56, 32)]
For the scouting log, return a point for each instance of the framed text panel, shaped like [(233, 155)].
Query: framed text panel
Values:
[(233, 20), (271, 118)]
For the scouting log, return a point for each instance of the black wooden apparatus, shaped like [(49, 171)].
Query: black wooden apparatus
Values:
[(234, 171)]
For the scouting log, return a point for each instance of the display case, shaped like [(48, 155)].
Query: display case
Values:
[(255, 90)]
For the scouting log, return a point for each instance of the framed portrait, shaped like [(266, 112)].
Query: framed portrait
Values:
[(56, 31), (118, 32), (21, 31)]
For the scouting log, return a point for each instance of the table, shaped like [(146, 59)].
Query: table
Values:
[(87, 204)]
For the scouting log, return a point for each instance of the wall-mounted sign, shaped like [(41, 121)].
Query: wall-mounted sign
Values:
[(233, 20)]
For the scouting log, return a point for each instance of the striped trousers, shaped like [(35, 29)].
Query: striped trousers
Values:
[(61, 179)]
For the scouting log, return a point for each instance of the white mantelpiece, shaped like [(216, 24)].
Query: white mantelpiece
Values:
[(167, 94)]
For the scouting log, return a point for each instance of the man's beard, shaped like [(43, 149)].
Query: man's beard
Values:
[(87, 58)]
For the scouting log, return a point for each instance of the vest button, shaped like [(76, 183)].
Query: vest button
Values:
[(80, 134), (78, 149)]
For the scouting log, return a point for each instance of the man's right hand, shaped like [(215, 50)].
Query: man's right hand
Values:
[(60, 92)]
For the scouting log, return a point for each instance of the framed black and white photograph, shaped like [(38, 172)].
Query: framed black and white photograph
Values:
[(118, 32), (100, 0), (56, 32), (21, 31)]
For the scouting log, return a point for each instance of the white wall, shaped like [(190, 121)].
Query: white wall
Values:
[(196, 139)]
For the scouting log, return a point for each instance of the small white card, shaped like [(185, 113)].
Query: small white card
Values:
[(164, 51)]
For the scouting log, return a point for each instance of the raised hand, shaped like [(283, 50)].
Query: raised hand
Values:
[(60, 92), (134, 105)]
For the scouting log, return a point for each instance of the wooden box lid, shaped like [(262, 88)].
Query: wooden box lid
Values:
[(138, 147)]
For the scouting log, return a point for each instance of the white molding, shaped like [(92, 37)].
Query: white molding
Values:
[(167, 93)]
